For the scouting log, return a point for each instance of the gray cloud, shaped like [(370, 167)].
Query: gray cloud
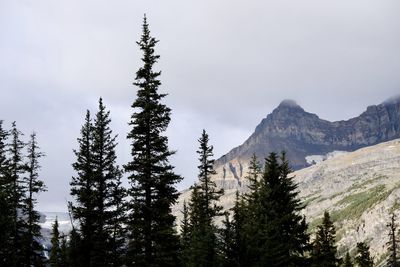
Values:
[(226, 64)]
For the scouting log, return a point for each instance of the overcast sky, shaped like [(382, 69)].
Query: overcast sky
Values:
[(226, 64)]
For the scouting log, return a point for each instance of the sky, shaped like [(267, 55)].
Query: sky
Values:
[(225, 65)]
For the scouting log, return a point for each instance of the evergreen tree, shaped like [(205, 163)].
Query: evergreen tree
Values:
[(203, 209), (107, 192), (100, 197), (55, 252), (117, 222), (153, 238), (392, 225), (347, 261), (33, 185), (252, 211), (74, 253), (14, 179), (282, 238), (6, 214), (234, 247), (324, 249), (363, 258), (82, 186), (229, 249), (185, 235), (64, 261)]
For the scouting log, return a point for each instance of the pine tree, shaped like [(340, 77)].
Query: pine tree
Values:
[(363, 258), (392, 225), (229, 249), (347, 261), (234, 246), (55, 252), (16, 171), (324, 249), (64, 261), (74, 253), (107, 192), (203, 210), (153, 238), (252, 211), (82, 186), (33, 185), (282, 239), (117, 223), (185, 235), (6, 214), (100, 197)]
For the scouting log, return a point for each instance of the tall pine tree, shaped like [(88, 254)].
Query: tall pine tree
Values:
[(6, 214), (107, 192), (281, 238), (98, 192), (82, 189), (17, 169), (153, 238), (203, 209), (55, 252), (33, 186), (324, 250)]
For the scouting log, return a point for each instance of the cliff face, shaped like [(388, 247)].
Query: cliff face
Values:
[(302, 134)]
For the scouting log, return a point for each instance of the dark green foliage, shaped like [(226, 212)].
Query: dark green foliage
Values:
[(17, 191), (347, 261), (82, 190), (74, 252), (100, 197), (393, 241), (324, 250), (153, 238), (233, 239), (203, 209), (33, 185), (64, 261), (275, 232), (363, 258), (108, 193), (229, 249), (6, 214), (185, 235), (55, 252), (19, 185)]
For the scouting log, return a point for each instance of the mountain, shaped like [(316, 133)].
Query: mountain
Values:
[(306, 138), (360, 189)]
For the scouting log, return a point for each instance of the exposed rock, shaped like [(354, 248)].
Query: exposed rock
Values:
[(360, 189), (302, 134)]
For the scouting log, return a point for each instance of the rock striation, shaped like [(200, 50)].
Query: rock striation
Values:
[(301, 134)]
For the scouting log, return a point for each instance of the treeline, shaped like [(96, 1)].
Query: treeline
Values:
[(19, 186), (117, 226)]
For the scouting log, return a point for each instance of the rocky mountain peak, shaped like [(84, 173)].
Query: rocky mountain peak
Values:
[(302, 134), (288, 104)]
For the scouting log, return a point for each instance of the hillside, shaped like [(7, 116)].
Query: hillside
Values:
[(360, 189)]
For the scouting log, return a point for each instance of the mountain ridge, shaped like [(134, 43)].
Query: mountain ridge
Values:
[(300, 133)]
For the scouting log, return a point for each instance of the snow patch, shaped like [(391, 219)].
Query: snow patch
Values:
[(315, 159)]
